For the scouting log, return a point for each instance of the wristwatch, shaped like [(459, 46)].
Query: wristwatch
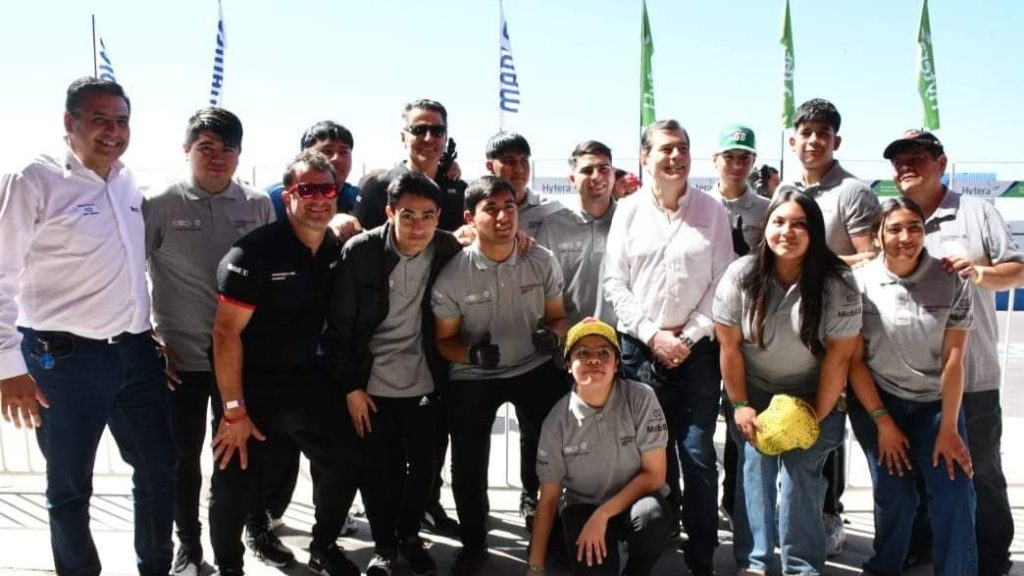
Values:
[(687, 340)]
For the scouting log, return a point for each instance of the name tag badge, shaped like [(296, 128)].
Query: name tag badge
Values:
[(87, 210)]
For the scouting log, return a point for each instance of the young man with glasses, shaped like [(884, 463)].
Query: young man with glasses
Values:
[(425, 137), (274, 285), (190, 225)]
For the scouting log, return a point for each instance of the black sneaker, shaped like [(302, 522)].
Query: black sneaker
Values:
[(527, 511), (268, 548), (331, 561), (468, 561), (436, 520), (188, 560), (229, 572), (420, 562)]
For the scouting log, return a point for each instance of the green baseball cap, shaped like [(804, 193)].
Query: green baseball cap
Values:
[(736, 137)]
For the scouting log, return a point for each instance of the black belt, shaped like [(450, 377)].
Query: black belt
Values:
[(116, 339)]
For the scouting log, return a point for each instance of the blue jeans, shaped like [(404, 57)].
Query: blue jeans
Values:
[(800, 529), (92, 385), (951, 504), (690, 396)]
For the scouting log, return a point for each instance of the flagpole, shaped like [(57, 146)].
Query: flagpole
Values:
[(501, 22), (782, 151), (95, 63)]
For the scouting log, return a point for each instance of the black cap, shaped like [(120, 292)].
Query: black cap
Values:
[(912, 138)]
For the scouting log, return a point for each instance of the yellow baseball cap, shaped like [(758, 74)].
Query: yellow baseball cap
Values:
[(788, 423), (587, 327)]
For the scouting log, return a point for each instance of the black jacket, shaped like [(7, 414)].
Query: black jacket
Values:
[(359, 303), (373, 197)]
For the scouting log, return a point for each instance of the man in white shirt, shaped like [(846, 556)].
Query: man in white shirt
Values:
[(76, 349), (667, 248)]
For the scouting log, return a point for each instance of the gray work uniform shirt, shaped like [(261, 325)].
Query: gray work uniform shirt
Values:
[(905, 321), (399, 366), (188, 231), (749, 209), (785, 365), (534, 210), (971, 227), (502, 300), (848, 205), (594, 452), (578, 241)]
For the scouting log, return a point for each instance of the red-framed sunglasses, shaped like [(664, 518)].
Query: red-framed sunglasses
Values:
[(307, 190)]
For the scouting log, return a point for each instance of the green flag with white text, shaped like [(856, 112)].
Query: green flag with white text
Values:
[(646, 78), (926, 84), (788, 100)]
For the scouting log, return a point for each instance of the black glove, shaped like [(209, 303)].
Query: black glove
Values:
[(545, 342), (484, 354), (739, 244)]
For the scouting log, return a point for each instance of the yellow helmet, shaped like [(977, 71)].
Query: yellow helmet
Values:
[(786, 424)]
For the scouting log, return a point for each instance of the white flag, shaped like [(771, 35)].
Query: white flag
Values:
[(217, 83), (508, 83), (104, 69)]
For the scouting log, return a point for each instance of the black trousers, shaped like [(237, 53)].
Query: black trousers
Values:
[(645, 528), (311, 415), (472, 408), (189, 402), (399, 474)]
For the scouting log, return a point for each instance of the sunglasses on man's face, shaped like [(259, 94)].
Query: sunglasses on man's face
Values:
[(307, 190), (420, 130)]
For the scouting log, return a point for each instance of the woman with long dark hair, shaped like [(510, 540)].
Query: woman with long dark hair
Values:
[(909, 380), (787, 318)]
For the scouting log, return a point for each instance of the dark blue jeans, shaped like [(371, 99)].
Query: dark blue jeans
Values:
[(93, 385), (689, 394), (994, 521), (951, 503)]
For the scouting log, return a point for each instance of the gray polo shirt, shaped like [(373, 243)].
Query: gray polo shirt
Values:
[(785, 365), (534, 210), (503, 299), (905, 321), (399, 366), (971, 227), (594, 452), (750, 207), (848, 205), (578, 241), (188, 231)]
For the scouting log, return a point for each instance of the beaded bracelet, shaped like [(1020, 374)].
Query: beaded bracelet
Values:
[(740, 404)]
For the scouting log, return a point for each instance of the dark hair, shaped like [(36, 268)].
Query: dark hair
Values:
[(893, 204), (424, 104), (312, 159), (216, 120), (818, 110), (660, 126), (819, 264), (370, 176), (619, 174), (325, 130), (413, 184), (485, 187), (86, 86), (592, 147), (759, 178), (505, 143)]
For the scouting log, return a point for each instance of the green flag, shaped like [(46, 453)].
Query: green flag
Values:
[(788, 100), (926, 84), (646, 78)]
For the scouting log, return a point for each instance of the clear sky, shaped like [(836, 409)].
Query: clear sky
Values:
[(292, 63)]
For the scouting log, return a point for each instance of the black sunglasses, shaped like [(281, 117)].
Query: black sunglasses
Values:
[(307, 191), (419, 130)]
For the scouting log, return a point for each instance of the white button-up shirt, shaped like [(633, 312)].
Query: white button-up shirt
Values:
[(661, 269), (72, 256)]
